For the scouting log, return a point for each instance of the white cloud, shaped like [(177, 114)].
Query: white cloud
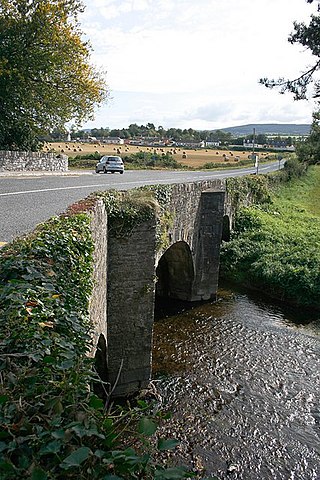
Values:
[(197, 55)]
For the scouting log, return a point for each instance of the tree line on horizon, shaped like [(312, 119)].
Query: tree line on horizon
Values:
[(149, 131)]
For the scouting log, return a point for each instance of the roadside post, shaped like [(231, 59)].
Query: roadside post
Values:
[(256, 164), (279, 160)]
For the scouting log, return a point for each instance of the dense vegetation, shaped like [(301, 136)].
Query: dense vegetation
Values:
[(53, 426), (275, 246)]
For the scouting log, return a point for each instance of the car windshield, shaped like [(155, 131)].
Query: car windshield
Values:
[(111, 159)]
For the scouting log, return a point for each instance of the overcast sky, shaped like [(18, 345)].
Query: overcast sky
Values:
[(196, 64)]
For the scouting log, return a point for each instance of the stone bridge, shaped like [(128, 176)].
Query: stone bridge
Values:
[(130, 272)]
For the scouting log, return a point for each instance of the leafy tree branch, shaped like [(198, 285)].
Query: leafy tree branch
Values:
[(46, 78), (309, 37)]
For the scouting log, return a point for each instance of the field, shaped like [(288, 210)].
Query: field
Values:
[(191, 158)]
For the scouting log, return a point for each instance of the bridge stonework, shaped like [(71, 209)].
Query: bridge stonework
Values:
[(130, 272)]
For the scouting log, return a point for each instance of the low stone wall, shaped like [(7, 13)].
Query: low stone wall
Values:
[(32, 161)]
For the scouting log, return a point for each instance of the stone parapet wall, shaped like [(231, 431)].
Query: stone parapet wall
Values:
[(185, 204), (32, 161)]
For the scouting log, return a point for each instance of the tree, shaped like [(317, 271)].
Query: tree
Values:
[(46, 79), (308, 151), (309, 37), (134, 130)]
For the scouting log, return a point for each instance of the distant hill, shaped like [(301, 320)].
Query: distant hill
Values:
[(269, 129)]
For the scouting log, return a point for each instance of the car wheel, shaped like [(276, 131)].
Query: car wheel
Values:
[(121, 173)]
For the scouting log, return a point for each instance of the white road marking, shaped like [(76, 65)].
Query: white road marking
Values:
[(137, 182), (40, 190)]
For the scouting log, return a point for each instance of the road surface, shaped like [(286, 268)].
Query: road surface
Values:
[(26, 200)]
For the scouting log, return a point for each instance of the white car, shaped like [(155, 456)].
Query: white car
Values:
[(110, 164)]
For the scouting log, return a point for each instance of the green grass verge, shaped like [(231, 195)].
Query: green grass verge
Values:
[(275, 247)]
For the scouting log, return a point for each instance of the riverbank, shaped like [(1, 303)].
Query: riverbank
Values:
[(275, 247)]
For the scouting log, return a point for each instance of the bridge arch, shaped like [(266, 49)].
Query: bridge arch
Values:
[(226, 228), (175, 272), (187, 271)]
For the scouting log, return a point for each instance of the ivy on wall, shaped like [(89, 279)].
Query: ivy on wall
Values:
[(248, 189), (44, 337), (53, 426), (127, 209)]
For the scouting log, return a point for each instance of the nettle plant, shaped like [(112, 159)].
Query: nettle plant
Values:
[(53, 426)]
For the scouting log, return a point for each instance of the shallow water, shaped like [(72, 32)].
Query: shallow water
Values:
[(241, 378)]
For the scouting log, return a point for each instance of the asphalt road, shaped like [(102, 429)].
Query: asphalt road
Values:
[(27, 200)]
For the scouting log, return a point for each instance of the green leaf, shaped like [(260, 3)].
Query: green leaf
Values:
[(110, 440), (142, 404), (49, 360), (96, 402), (3, 446), (52, 447), (108, 424), (147, 426), (58, 434), (76, 458), (38, 474), (168, 444), (3, 399), (99, 453), (66, 365), (174, 473), (58, 407), (6, 467)]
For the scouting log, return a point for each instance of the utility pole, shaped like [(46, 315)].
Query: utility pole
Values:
[(255, 157), (253, 142)]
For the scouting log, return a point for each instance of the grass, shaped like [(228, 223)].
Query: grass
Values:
[(276, 247), (303, 193)]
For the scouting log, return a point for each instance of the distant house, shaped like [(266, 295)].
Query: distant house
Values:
[(188, 144), (148, 142), (112, 140), (213, 144)]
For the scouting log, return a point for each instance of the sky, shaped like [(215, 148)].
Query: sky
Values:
[(196, 63)]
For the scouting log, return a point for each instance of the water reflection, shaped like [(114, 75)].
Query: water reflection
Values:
[(242, 379)]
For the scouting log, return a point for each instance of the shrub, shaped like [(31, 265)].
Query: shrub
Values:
[(276, 247), (293, 169), (148, 159)]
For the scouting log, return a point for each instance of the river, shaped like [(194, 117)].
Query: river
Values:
[(241, 378)]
